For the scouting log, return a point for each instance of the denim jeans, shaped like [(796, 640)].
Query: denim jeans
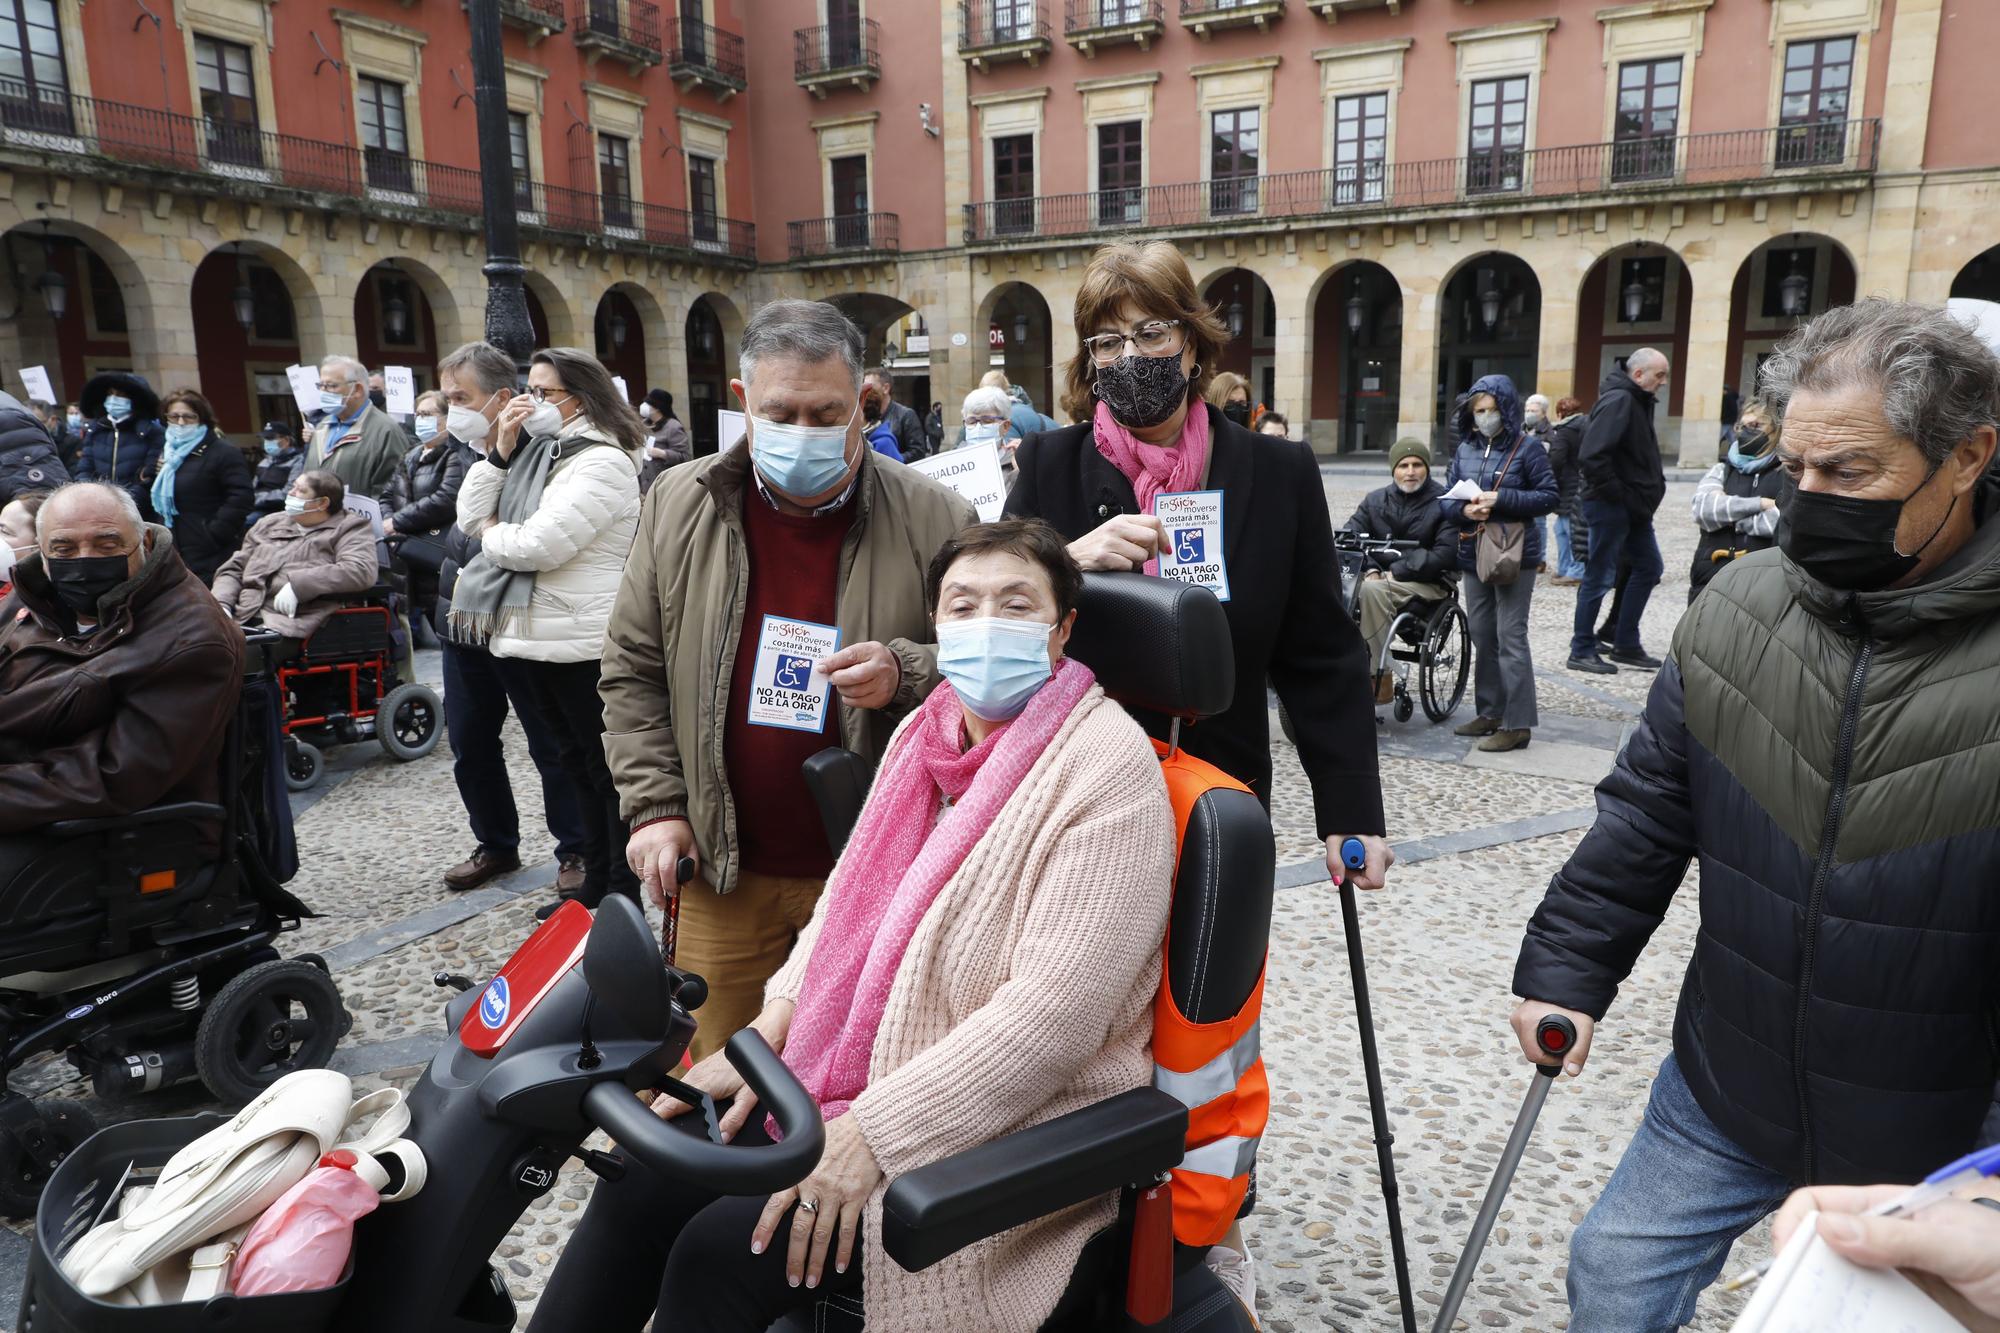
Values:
[(1615, 532), (1661, 1231), (1567, 565)]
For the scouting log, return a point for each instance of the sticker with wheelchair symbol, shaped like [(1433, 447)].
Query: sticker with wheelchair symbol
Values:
[(494, 1004), (1194, 552), (785, 691)]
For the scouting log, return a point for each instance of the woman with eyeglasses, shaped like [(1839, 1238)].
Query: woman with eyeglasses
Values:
[(201, 486), (554, 505)]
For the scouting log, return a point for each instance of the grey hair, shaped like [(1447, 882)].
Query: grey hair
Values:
[(350, 370), (482, 363), (988, 402), (808, 331), (1938, 383), (1643, 358), (76, 490)]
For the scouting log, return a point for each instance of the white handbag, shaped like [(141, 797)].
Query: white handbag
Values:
[(224, 1180)]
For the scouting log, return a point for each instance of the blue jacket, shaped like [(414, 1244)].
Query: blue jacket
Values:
[(127, 453), (1527, 484)]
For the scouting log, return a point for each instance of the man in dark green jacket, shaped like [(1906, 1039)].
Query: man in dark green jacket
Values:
[(1825, 740), (357, 442)]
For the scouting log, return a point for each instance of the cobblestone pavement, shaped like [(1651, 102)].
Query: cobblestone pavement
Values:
[(1480, 840)]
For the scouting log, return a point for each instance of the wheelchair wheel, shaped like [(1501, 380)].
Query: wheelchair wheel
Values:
[(269, 1021), (1444, 663), (303, 764), (406, 722), (30, 1155), (1405, 706)]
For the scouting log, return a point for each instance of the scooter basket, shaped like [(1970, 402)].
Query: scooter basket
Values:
[(84, 1189)]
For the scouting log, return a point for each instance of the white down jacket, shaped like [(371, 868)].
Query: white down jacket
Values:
[(575, 543)]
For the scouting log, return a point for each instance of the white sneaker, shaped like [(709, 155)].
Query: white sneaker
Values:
[(1237, 1272)]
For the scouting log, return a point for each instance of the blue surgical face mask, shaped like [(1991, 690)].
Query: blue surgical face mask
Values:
[(994, 664), (799, 460), (427, 427), (117, 407), (272, 448), (295, 504), (984, 432), (179, 434), (329, 401)]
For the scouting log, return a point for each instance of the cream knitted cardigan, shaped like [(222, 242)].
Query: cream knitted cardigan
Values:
[(1026, 993)]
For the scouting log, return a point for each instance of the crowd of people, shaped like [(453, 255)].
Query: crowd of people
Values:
[(985, 952)]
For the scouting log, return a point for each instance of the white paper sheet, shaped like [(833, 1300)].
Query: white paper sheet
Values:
[(729, 429), (399, 391), (618, 383), (973, 470), (36, 380), (1813, 1290), (305, 387), (1462, 489), (361, 504)]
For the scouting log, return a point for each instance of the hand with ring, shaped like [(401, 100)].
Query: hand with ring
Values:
[(830, 1200)]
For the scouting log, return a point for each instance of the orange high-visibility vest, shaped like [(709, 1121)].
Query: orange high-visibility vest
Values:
[(1215, 1069)]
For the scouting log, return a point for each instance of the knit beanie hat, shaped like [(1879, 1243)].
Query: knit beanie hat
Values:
[(1409, 447)]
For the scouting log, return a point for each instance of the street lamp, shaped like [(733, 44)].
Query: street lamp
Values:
[(242, 301), (53, 286), (890, 352), (615, 324), (1357, 310), (1489, 304), (1795, 292), (1236, 319), (395, 316), (507, 324), (1021, 329), (1635, 300)]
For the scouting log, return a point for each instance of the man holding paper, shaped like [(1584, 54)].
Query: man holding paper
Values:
[(1823, 739), (773, 606)]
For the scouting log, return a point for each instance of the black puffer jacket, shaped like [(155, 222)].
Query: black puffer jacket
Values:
[(124, 452), (212, 497), (1565, 441), (273, 479), (426, 490), (1833, 760), (1390, 513), (1620, 455), (28, 457)]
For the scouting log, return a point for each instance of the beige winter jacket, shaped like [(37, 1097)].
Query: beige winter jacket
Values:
[(671, 644), (1027, 993), (325, 564)]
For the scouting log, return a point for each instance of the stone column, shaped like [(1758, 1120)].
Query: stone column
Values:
[(1706, 370), (1906, 102), (1422, 290), (1291, 351)]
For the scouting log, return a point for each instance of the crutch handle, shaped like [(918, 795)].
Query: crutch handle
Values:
[(1353, 855), (1555, 1035)]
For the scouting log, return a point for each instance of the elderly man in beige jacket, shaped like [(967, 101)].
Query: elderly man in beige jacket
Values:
[(800, 530)]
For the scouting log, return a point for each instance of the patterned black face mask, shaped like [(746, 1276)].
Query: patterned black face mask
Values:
[(1142, 391)]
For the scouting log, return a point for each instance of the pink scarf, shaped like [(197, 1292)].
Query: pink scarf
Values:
[(1155, 469), (895, 865)]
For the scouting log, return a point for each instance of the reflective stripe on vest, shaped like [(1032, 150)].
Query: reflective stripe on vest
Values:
[(1226, 1159), (1217, 1078)]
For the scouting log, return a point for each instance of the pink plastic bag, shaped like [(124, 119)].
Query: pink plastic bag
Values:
[(302, 1241)]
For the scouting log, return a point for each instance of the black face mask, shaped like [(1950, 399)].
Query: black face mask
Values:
[(1849, 543), (1237, 412), (380, 399), (1142, 391), (81, 580)]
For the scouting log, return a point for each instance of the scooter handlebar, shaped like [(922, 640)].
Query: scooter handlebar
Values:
[(720, 1167)]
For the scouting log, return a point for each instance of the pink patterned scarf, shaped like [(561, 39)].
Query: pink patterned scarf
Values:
[(895, 865), (1155, 469)]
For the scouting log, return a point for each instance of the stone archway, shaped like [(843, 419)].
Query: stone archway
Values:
[(399, 306), (713, 330), (1249, 312), (243, 361), (1634, 296), (80, 306), (1489, 322), (1015, 320), (1779, 285), (1357, 358)]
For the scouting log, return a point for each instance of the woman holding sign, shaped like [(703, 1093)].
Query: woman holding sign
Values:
[(1154, 478)]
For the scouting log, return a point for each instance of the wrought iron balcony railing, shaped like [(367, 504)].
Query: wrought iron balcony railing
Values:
[(1689, 161), (834, 51), (850, 233), (556, 208), (626, 29), (706, 53), (986, 24), (1081, 16)]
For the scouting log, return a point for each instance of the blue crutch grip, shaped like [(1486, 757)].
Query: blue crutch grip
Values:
[(1353, 855)]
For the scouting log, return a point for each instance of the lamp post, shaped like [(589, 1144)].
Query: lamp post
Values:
[(53, 286), (1795, 292), (1235, 318), (1635, 300), (507, 325)]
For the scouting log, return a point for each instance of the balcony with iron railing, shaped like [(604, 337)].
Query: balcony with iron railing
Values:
[(1331, 10), (837, 55), (1203, 17), (706, 55), (1090, 24), (847, 234), (627, 30), (221, 157), (1804, 156), (993, 31), (537, 18)]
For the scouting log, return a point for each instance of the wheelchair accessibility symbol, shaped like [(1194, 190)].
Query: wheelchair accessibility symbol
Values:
[(494, 1004), (792, 673), (1189, 546)]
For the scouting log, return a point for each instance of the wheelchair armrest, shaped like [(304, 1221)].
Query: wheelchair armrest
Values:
[(937, 1210), (152, 814)]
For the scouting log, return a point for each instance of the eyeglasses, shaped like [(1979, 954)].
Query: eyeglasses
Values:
[(541, 395), (182, 419), (337, 386), (1160, 337)]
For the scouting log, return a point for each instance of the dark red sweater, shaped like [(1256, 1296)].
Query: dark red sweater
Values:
[(794, 573)]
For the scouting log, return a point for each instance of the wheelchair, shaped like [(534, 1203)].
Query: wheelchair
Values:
[(342, 685), (140, 946), (1431, 637)]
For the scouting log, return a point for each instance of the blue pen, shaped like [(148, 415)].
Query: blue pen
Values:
[(1939, 1184)]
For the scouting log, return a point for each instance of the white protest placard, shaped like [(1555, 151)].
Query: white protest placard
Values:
[(399, 391), (973, 470), (784, 690), (618, 383), (1193, 550), (36, 380), (305, 387), (372, 509), (729, 428)]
